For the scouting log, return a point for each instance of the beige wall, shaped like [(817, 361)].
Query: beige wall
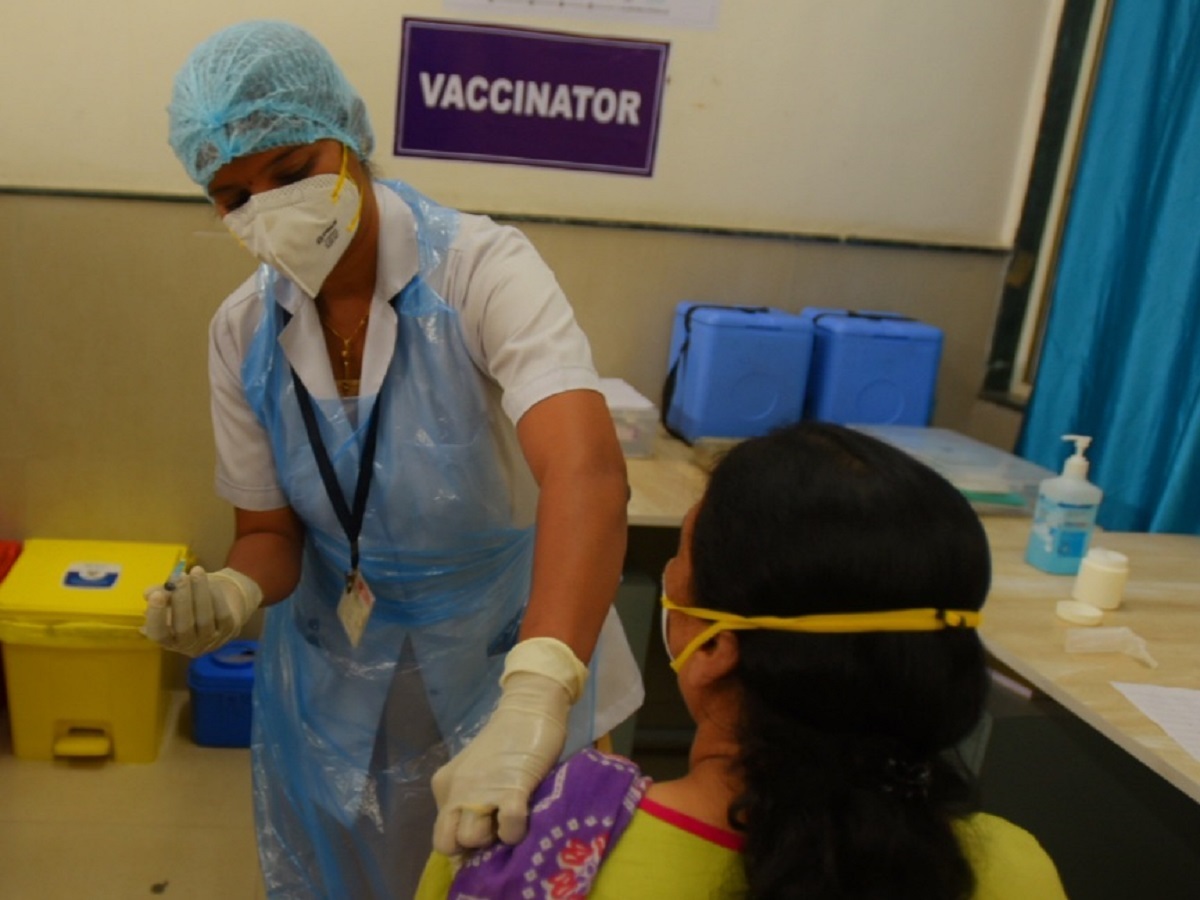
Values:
[(104, 430), (872, 118)]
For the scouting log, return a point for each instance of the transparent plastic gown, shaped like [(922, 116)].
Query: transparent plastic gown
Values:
[(346, 739)]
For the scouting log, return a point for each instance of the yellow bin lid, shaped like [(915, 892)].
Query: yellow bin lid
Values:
[(85, 581)]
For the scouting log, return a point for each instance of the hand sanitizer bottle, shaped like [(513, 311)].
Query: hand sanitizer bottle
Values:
[(1065, 515)]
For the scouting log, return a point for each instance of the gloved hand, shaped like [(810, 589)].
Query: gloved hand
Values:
[(484, 791), (202, 612)]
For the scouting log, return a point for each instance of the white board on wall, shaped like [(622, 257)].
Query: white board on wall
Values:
[(869, 119)]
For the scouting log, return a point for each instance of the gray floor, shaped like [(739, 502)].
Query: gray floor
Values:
[(181, 826)]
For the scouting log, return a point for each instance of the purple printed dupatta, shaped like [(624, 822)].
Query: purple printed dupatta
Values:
[(576, 816)]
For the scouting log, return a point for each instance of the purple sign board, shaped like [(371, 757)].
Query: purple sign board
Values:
[(540, 98)]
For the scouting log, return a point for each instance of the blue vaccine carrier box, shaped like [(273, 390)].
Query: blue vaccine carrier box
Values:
[(735, 371), (871, 368), (221, 684)]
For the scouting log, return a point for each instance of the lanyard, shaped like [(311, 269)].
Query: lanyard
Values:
[(351, 519)]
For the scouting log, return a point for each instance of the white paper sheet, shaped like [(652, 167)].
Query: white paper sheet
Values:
[(1175, 710), (686, 13)]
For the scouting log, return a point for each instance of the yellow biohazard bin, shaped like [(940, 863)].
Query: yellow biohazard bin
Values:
[(82, 679)]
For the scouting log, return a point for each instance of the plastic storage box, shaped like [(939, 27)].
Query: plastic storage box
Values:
[(82, 679), (735, 371), (220, 684), (996, 482), (634, 416), (871, 368)]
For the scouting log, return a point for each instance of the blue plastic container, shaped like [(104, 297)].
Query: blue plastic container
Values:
[(738, 371), (871, 368), (220, 684)]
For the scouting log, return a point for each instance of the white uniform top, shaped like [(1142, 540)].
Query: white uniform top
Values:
[(517, 325), (519, 330)]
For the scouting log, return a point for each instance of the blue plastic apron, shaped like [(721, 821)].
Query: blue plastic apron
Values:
[(346, 739)]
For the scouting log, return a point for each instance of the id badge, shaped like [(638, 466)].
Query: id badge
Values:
[(354, 609)]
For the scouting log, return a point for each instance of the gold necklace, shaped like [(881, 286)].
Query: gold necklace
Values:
[(346, 385)]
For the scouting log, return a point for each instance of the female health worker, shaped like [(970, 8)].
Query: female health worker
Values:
[(429, 494)]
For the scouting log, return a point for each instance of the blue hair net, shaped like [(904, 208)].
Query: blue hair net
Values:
[(258, 85)]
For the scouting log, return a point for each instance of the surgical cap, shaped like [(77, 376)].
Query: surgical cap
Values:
[(259, 85)]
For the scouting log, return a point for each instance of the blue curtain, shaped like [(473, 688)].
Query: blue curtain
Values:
[(1121, 356)]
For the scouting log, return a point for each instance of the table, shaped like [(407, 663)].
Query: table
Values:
[(663, 488), (1161, 605), (1020, 629)]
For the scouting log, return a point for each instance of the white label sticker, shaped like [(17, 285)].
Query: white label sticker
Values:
[(94, 575)]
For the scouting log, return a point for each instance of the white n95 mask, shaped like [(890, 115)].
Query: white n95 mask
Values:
[(301, 229)]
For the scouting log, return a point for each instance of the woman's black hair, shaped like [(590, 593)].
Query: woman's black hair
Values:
[(845, 740)]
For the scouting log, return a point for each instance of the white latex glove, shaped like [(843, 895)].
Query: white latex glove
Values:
[(202, 612), (484, 791)]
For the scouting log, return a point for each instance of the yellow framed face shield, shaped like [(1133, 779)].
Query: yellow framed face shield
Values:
[(927, 619)]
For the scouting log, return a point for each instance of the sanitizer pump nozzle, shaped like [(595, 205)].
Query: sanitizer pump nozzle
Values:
[(1077, 464)]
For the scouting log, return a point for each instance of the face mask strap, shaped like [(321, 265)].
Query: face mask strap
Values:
[(720, 622), (897, 620), (343, 177), (703, 638)]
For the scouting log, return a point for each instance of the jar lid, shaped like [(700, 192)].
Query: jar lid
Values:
[(1078, 613)]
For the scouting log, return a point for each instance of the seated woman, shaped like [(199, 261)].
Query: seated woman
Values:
[(820, 614)]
